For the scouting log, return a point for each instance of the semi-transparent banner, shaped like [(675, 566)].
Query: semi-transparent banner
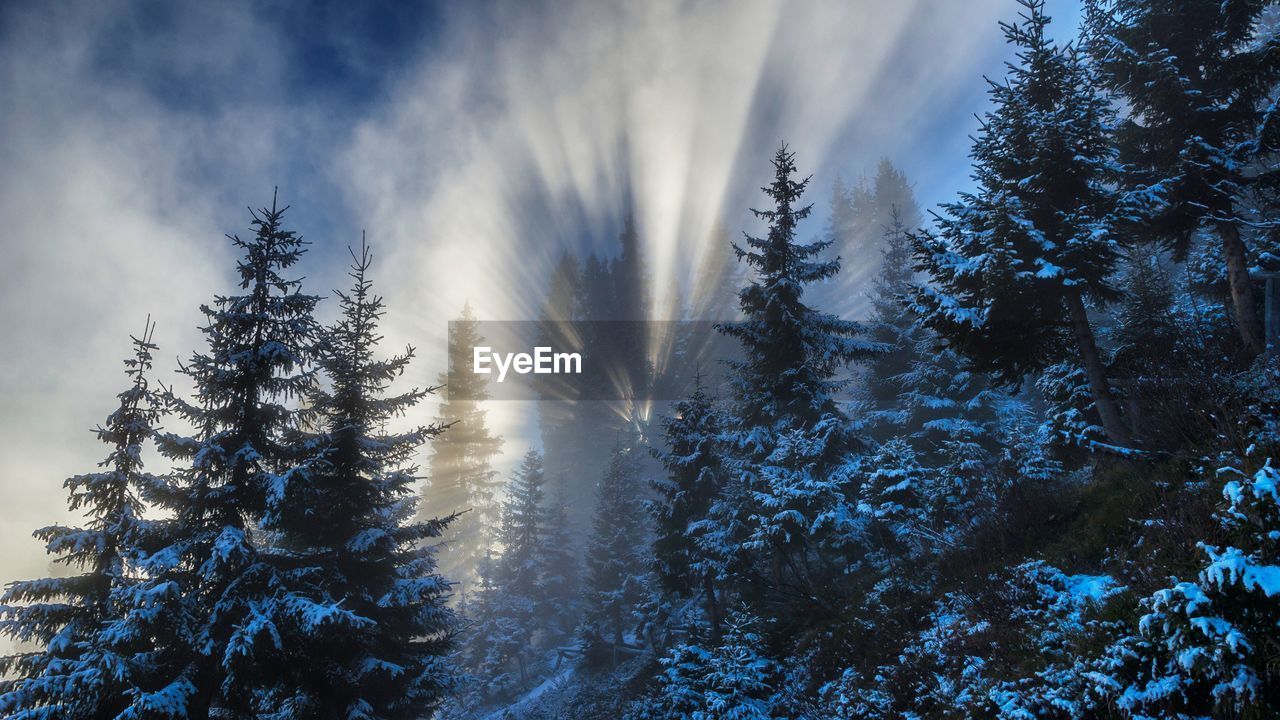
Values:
[(584, 360)]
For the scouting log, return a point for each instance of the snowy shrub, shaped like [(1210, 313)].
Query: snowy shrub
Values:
[(1010, 648), (1071, 419), (727, 681), (1209, 645)]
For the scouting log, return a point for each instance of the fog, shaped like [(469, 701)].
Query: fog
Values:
[(499, 135)]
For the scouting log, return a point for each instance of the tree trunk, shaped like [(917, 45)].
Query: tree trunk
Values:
[(1103, 400), (616, 612), (1233, 252), (713, 608)]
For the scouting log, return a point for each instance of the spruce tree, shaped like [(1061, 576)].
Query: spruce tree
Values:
[(514, 602), (200, 614), (522, 533), (789, 440), (461, 475), (561, 562), (492, 635), (857, 217), (893, 199), (895, 487), (693, 464), (77, 668), (358, 615), (728, 679), (941, 401), (920, 390), (1016, 260), (1199, 83), (892, 323), (615, 558), (561, 438)]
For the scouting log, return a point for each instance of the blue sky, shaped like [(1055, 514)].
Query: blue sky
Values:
[(473, 141)]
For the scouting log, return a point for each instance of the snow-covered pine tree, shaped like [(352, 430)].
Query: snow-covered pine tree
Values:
[(461, 475), (77, 669), (1015, 260), (728, 680), (515, 602), (615, 559), (896, 494), (694, 474), (358, 614), (199, 614), (921, 390), (483, 650), (788, 439), (1199, 84), (522, 532), (561, 561)]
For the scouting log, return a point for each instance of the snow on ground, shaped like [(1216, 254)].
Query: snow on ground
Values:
[(558, 680)]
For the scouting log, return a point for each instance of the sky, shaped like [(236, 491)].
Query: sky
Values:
[(473, 142)]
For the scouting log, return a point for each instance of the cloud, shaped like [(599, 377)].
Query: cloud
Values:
[(536, 128), (113, 204)]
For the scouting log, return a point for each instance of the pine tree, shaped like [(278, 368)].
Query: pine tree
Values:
[(358, 615), (1017, 258), (730, 680), (522, 533), (920, 390), (200, 611), (789, 441), (492, 637), (78, 668), (1199, 84), (561, 560), (461, 475), (896, 493), (557, 404), (858, 215), (1153, 344), (615, 559), (515, 602), (693, 464), (892, 323), (630, 276), (893, 199), (610, 294)]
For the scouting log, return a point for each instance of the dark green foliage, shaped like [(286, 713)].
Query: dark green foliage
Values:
[(357, 597), (79, 668), (1199, 82), (201, 603)]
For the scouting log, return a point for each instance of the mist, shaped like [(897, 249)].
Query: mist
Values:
[(491, 138)]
